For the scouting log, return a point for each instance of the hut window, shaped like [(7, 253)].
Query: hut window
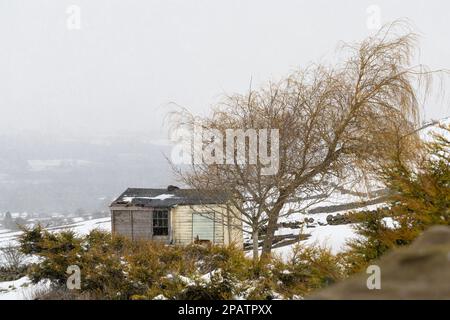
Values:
[(160, 222)]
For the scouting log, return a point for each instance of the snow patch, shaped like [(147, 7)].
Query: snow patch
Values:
[(21, 289), (160, 197)]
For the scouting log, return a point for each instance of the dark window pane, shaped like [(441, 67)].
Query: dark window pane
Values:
[(160, 231), (160, 222)]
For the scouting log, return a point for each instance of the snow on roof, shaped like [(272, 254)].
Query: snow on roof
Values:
[(160, 197), (167, 197)]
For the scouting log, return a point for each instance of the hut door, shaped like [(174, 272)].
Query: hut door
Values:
[(203, 226)]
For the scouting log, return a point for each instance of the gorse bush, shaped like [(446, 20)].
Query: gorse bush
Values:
[(310, 268), (420, 198), (96, 255), (421, 188), (116, 268)]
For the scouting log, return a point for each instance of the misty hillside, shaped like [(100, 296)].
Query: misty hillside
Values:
[(40, 174)]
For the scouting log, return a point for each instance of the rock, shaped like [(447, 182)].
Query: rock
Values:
[(309, 220), (337, 219), (418, 271), (291, 224), (330, 219)]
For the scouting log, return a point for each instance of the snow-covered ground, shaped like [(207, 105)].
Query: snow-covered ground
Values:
[(22, 288), (83, 227), (333, 237)]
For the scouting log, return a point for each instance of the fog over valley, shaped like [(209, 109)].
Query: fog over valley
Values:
[(46, 175)]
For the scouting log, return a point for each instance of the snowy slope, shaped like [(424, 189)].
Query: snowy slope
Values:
[(83, 227), (22, 288)]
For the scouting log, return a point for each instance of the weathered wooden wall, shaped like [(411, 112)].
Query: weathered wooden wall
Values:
[(182, 230), (233, 233), (136, 223), (142, 224), (121, 223)]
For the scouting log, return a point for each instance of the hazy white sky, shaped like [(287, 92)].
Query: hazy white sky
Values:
[(131, 58)]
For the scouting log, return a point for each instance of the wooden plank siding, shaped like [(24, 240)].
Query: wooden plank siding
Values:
[(142, 224), (136, 223), (133, 224), (122, 222), (183, 228)]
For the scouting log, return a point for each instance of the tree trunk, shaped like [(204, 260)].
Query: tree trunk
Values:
[(270, 233), (255, 244), (272, 225)]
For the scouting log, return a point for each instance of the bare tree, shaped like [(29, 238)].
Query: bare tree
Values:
[(333, 123), (13, 259)]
